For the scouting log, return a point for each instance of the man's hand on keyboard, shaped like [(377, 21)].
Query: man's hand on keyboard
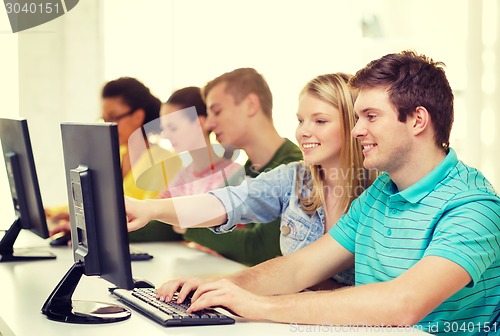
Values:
[(226, 295), (182, 286)]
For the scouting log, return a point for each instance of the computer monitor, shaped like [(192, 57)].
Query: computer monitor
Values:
[(98, 223), (24, 190)]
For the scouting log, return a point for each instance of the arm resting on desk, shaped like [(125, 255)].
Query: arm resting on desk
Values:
[(255, 293), (403, 301), (282, 275)]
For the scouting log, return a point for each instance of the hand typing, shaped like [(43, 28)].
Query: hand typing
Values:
[(214, 294), (225, 294), (183, 286)]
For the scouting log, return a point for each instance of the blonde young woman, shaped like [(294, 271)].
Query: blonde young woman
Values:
[(310, 196)]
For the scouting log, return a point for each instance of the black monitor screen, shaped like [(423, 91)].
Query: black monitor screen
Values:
[(24, 188)]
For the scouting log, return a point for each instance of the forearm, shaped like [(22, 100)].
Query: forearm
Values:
[(266, 278), (296, 271), (373, 304), (189, 211), (403, 301)]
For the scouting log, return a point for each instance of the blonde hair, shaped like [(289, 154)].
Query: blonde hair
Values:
[(334, 90)]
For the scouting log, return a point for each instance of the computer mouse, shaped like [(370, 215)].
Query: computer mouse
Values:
[(143, 283), (60, 239)]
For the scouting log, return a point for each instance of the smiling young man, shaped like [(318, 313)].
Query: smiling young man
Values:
[(424, 238), (239, 112)]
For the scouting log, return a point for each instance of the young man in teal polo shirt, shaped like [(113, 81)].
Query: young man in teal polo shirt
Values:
[(424, 238)]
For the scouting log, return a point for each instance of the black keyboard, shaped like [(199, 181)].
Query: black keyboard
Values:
[(169, 314)]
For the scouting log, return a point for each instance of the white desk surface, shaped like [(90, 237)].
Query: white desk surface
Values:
[(26, 285)]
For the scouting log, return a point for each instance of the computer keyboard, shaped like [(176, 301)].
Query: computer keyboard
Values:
[(169, 314)]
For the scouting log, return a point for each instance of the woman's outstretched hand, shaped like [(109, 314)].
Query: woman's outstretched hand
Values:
[(138, 214)]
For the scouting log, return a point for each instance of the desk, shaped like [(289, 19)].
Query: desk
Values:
[(26, 286)]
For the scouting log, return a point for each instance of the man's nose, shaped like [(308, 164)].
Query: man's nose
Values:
[(358, 130)]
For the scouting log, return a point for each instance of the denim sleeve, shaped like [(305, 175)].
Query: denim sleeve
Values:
[(260, 199)]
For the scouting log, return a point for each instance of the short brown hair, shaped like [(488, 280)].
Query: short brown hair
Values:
[(240, 83), (412, 80)]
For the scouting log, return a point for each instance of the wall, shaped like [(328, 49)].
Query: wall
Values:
[(60, 72), (171, 44)]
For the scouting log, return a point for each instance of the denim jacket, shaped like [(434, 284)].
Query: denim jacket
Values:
[(271, 195)]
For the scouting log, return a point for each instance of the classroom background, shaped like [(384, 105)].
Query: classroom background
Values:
[(54, 72)]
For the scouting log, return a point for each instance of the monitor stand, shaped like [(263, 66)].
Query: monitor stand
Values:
[(7, 253), (60, 306)]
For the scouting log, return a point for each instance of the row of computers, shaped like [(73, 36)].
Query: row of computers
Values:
[(98, 225)]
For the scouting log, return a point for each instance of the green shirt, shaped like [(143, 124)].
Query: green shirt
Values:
[(257, 242)]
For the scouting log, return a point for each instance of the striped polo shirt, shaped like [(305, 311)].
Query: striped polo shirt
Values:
[(454, 213)]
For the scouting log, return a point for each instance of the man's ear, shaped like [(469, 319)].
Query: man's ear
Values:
[(421, 120), (253, 104)]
